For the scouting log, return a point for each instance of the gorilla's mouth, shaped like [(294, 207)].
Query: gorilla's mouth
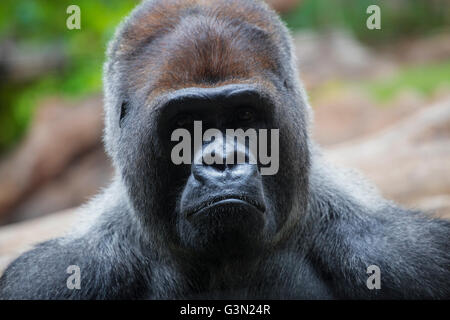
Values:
[(227, 202)]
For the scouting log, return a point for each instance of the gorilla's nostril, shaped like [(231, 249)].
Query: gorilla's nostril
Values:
[(223, 174), (219, 166)]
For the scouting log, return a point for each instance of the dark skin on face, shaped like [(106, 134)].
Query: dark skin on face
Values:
[(227, 200)]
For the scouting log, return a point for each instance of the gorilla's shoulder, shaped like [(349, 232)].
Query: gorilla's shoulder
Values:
[(101, 249), (41, 273), (106, 269), (411, 248)]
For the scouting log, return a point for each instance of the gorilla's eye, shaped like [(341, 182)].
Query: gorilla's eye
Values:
[(245, 115), (183, 120), (123, 112)]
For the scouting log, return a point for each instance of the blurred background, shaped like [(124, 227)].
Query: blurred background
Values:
[(381, 100)]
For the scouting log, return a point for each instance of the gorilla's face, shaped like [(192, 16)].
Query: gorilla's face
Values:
[(213, 206), (227, 77), (221, 203)]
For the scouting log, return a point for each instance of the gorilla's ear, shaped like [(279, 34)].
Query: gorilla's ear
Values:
[(123, 112)]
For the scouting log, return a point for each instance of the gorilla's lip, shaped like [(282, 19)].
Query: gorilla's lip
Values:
[(227, 200)]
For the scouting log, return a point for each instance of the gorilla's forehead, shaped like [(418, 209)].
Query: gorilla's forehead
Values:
[(154, 17), (173, 44)]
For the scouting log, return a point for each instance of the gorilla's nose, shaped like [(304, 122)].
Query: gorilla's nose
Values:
[(215, 178), (225, 163)]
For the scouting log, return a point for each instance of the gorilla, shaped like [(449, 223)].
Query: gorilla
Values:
[(217, 230)]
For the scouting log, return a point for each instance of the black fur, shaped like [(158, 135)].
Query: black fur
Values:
[(327, 226)]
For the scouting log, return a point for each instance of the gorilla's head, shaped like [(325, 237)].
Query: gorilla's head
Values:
[(229, 66)]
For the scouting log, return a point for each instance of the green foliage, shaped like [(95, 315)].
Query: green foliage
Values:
[(399, 18), (423, 79), (42, 22)]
